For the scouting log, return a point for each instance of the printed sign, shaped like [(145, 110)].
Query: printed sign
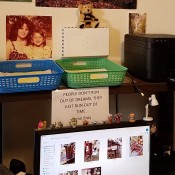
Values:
[(90, 104)]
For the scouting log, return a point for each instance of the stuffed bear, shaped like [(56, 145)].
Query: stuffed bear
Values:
[(87, 19)]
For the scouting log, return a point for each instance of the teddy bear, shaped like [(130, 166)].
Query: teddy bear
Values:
[(87, 19)]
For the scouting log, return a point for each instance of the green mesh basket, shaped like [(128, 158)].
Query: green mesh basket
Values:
[(91, 72)]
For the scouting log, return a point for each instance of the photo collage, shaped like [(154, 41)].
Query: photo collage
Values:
[(92, 150), (96, 152)]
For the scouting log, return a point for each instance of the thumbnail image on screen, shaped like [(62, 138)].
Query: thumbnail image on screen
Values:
[(114, 148), (70, 173), (91, 150), (67, 154), (136, 146), (92, 171)]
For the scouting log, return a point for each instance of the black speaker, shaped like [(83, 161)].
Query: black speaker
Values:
[(150, 57)]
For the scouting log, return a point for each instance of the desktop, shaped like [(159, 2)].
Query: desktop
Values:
[(122, 148)]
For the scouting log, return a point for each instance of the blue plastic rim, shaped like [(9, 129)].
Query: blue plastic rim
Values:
[(10, 84)]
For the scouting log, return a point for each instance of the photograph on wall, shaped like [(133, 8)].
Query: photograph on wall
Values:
[(90, 171), (28, 37), (137, 23), (114, 148), (67, 154), (136, 146), (91, 150), (99, 4)]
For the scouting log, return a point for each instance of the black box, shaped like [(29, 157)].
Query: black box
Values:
[(150, 57)]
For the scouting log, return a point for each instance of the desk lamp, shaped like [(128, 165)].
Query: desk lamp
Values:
[(153, 102)]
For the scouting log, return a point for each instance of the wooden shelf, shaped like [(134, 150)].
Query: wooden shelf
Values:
[(126, 88)]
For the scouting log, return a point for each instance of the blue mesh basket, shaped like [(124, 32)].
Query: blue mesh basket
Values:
[(29, 82)]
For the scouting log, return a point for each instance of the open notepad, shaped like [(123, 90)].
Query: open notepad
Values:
[(78, 42)]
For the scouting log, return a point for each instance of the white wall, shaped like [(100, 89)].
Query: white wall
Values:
[(160, 19)]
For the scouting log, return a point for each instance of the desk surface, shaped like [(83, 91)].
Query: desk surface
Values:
[(126, 88)]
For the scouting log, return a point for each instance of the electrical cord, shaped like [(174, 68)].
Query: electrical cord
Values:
[(135, 85)]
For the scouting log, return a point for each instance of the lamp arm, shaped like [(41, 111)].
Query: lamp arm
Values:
[(146, 110)]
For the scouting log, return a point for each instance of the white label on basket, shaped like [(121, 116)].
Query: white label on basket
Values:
[(28, 80), (98, 76), (86, 70), (79, 63), (23, 65)]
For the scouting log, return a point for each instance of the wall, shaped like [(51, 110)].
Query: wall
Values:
[(160, 19)]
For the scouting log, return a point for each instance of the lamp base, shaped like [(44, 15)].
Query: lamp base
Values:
[(148, 119)]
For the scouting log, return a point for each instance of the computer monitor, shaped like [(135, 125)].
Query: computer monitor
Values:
[(106, 149)]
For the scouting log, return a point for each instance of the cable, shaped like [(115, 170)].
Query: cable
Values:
[(135, 85)]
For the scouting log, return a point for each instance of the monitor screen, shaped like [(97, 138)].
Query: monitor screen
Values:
[(93, 150)]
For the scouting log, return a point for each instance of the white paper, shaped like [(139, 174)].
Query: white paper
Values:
[(91, 104), (78, 42)]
